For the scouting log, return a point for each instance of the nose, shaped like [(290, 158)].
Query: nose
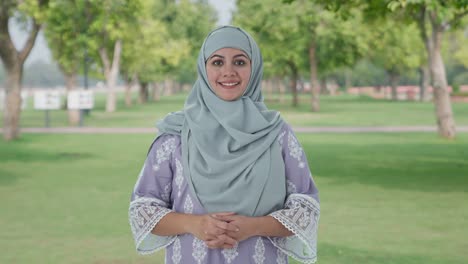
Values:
[(228, 70)]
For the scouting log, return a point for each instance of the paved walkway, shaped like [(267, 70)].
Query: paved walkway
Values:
[(144, 130)]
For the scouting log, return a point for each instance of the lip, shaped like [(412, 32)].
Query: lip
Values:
[(229, 84)]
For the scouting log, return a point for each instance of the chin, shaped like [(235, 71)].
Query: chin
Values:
[(228, 97)]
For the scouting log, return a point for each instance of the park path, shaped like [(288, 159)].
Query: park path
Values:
[(146, 130)]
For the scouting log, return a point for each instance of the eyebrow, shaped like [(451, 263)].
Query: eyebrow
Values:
[(222, 57)]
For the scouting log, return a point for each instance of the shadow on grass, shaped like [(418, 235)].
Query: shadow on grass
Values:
[(328, 253), (433, 167), (19, 154)]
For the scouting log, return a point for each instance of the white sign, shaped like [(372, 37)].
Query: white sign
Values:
[(46, 100), (24, 99), (80, 99)]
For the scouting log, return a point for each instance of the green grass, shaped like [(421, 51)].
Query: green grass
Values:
[(385, 198), (343, 110)]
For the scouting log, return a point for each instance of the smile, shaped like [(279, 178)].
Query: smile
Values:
[(230, 84)]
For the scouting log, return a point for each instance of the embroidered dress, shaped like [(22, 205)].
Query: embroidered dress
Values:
[(161, 189)]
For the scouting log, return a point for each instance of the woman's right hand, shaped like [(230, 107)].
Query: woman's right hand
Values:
[(213, 231)]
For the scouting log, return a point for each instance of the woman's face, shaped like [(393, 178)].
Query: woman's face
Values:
[(228, 71)]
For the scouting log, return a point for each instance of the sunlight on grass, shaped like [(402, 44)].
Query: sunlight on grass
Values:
[(385, 198)]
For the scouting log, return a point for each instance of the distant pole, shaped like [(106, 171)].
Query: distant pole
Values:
[(47, 118), (85, 59), (85, 70)]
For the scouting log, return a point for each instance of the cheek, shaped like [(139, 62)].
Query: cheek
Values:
[(211, 77), (246, 76)]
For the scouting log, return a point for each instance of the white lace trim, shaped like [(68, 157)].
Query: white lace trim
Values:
[(163, 152), (144, 213), (300, 216)]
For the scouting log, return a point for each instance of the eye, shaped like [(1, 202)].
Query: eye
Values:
[(217, 63), (240, 62)]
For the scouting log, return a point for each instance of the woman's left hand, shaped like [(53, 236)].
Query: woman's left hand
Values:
[(247, 226)]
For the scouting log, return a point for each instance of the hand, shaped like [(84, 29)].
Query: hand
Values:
[(213, 231), (247, 226)]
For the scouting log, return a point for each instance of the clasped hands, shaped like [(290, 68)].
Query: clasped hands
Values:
[(223, 230)]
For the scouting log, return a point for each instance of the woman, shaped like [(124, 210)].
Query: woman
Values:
[(226, 180)]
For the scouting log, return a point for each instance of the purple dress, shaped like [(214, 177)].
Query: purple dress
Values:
[(161, 189)]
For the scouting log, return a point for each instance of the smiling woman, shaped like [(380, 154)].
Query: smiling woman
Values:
[(226, 180)]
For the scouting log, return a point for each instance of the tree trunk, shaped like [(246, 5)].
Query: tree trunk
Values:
[(424, 81), (269, 88), (443, 105), (323, 86), (156, 91), (348, 79), (314, 83), (144, 93), (13, 61), (282, 90), (128, 90), (12, 106), (111, 71), (394, 77), (128, 94), (168, 86), (293, 84), (70, 84)]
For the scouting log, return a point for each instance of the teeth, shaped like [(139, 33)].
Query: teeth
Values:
[(229, 84)]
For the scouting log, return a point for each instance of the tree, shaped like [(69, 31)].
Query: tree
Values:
[(171, 34), (32, 14), (65, 31), (395, 46), (190, 21), (300, 35), (110, 21), (441, 15), (277, 32), (434, 18)]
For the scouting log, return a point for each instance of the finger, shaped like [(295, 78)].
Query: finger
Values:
[(233, 235), (228, 240), (227, 246), (224, 217), (227, 226), (222, 214), (215, 243), (232, 228)]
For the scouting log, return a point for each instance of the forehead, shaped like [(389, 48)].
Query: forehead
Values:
[(228, 52)]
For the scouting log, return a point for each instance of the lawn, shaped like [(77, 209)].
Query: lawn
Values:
[(385, 198), (343, 110)]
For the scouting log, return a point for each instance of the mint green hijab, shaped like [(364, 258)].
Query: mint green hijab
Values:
[(230, 155)]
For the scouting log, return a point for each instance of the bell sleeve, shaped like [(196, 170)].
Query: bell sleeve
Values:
[(151, 196), (301, 211)]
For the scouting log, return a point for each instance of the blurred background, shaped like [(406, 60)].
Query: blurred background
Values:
[(376, 90)]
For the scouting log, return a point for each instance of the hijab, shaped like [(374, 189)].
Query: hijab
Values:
[(230, 154)]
